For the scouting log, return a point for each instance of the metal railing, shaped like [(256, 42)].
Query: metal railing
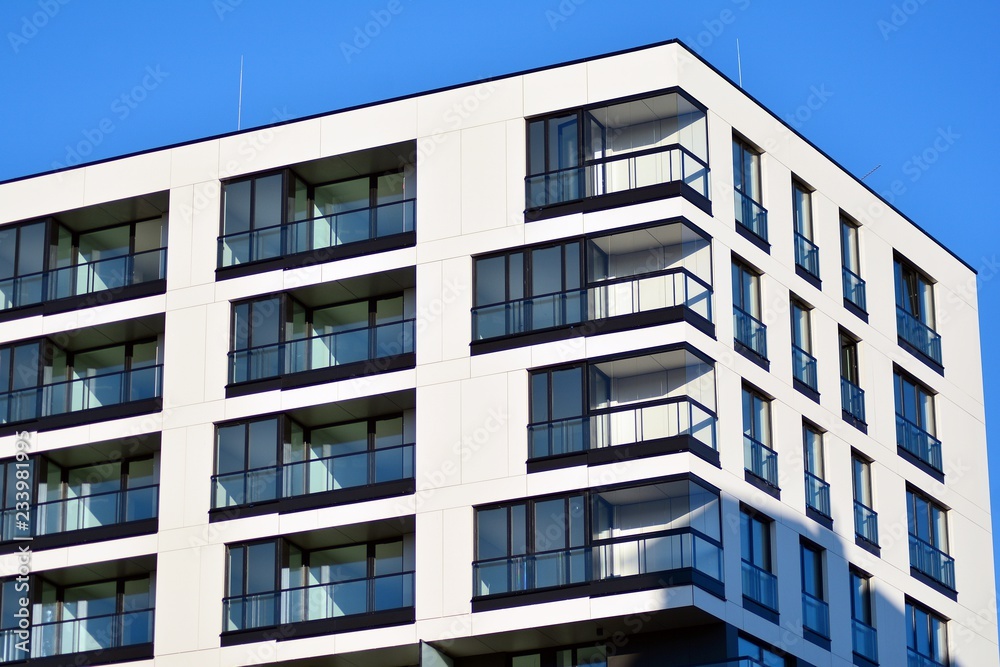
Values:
[(817, 494), (865, 523), (349, 597), (935, 563), (914, 659), (618, 173), (760, 585), (323, 351), (804, 367), (79, 394), (608, 298), (99, 275), (918, 442), (806, 255), (852, 399), (97, 509), (760, 460), (320, 233), (854, 289), (340, 471), (865, 640), (623, 425), (92, 633), (750, 332), (815, 614), (919, 335), (750, 215), (543, 569)]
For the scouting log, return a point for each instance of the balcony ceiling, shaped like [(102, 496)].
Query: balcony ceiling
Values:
[(112, 213), (352, 289), (361, 408), (360, 163)]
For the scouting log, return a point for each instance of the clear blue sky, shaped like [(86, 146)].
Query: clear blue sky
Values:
[(110, 77)]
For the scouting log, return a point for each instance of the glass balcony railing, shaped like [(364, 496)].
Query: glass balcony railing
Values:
[(299, 478), (931, 561), (110, 273), (624, 425), (918, 442), (914, 659), (91, 633), (90, 511), (865, 523), (605, 559), (919, 335), (323, 351), (87, 393), (614, 297), (817, 494), (750, 215), (750, 332), (865, 640), (760, 460), (320, 233), (804, 367), (806, 255), (815, 615), (333, 599), (854, 289), (618, 173), (852, 399), (760, 586)]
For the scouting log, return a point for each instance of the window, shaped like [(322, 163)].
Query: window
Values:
[(765, 657), (852, 396), (616, 147), (926, 636), (749, 332), (574, 539), (815, 609), (623, 401), (928, 526), (915, 312), (850, 257), (864, 637), (806, 252), (276, 457), (915, 423), (600, 277), (817, 489), (280, 581), (759, 583), (750, 215), (279, 335), (758, 458), (803, 363), (865, 518)]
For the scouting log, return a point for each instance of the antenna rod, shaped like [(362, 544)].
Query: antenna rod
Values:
[(239, 105), (871, 172), (739, 61)]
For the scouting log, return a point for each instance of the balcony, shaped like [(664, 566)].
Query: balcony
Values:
[(865, 523), (815, 615), (750, 216), (806, 255), (804, 367), (918, 335), (319, 602), (914, 659), (750, 332), (852, 400), (760, 460), (854, 290), (919, 443), (817, 494), (760, 586), (932, 562), (865, 640), (615, 154)]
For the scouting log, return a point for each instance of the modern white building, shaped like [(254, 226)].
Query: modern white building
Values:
[(596, 364)]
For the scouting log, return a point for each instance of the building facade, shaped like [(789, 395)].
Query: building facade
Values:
[(597, 364)]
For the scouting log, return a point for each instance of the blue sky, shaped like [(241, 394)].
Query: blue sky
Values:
[(911, 85)]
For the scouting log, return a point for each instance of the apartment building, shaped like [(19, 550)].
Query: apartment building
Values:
[(596, 364)]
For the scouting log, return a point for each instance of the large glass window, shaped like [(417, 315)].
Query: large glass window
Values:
[(915, 423), (750, 214), (915, 318), (766, 657), (759, 583), (748, 330), (928, 527), (759, 459), (815, 610), (803, 362), (817, 489), (926, 636), (806, 252), (864, 637), (852, 396), (865, 518), (850, 257)]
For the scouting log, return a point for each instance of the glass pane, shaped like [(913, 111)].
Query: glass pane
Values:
[(490, 280), (231, 454), (266, 323), (344, 196), (536, 147), (237, 196), (567, 393), (491, 533), (546, 271), (388, 558), (268, 201), (261, 567), (8, 251), (263, 443), (25, 368), (550, 525), (539, 397), (31, 249)]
